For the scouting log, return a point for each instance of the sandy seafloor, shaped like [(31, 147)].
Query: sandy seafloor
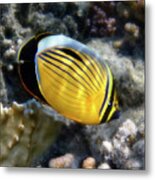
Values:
[(34, 135)]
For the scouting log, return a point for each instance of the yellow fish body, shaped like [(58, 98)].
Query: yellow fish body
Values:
[(69, 77)]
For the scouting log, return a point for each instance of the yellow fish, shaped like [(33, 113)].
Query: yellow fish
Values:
[(69, 77)]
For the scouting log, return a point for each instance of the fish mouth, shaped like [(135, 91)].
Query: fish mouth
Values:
[(116, 115)]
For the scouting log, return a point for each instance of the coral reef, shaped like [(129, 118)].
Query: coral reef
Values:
[(26, 131), (117, 19), (100, 20), (32, 134)]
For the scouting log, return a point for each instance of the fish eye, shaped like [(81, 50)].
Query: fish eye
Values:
[(115, 104)]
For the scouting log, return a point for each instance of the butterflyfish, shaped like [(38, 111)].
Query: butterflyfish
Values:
[(70, 77)]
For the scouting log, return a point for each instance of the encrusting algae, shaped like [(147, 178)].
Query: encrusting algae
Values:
[(25, 132)]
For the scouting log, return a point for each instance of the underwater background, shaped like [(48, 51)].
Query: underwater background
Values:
[(34, 135)]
